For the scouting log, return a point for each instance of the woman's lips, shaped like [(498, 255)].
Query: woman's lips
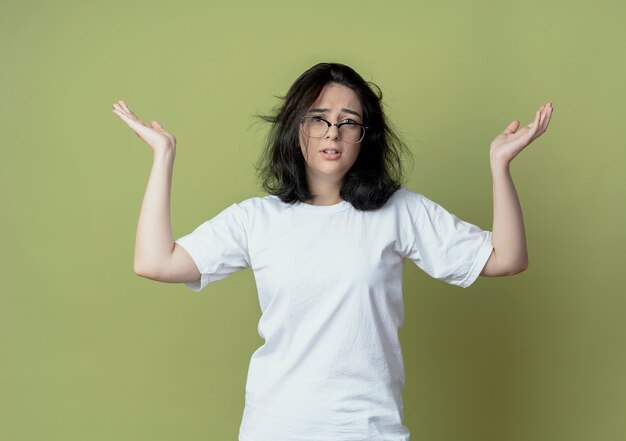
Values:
[(331, 156)]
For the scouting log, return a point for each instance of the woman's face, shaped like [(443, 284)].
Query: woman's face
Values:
[(329, 158)]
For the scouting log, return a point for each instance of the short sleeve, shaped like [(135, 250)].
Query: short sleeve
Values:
[(219, 246), (446, 247)]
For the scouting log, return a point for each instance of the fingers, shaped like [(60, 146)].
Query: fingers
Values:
[(533, 126), (122, 113), (123, 108), (139, 127), (540, 124), (512, 127), (122, 105), (545, 117)]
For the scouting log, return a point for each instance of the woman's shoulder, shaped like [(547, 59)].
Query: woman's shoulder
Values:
[(264, 204), (403, 204), (403, 196), (413, 200)]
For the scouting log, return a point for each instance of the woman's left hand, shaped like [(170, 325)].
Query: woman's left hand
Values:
[(510, 142)]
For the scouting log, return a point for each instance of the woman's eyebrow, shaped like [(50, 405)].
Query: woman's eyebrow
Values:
[(351, 112)]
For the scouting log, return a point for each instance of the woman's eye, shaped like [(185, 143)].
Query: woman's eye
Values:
[(349, 121)]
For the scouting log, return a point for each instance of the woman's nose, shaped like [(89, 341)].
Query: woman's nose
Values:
[(333, 132)]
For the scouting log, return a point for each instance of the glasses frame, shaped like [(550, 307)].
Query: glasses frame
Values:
[(363, 127)]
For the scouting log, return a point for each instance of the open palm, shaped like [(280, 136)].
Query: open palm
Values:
[(154, 134), (510, 142)]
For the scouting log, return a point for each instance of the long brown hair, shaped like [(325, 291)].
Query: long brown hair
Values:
[(376, 174)]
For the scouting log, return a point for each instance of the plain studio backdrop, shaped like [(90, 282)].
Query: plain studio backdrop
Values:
[(90, 351)]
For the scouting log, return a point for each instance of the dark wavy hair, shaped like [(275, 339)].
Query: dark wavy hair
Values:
[(377, 172)]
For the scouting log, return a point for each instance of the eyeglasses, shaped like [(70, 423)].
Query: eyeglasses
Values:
[(348, 131)]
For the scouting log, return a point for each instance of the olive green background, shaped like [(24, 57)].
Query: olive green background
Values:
[(91, 351)]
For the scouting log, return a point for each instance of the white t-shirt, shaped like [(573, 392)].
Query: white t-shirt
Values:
[(329, 280)]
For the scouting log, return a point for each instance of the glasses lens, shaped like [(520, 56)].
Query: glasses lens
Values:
[(351, 133), (314, 127)]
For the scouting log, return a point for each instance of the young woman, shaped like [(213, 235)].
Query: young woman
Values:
[(327, 247)]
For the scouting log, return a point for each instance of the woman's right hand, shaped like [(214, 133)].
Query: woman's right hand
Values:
[(159, 139)]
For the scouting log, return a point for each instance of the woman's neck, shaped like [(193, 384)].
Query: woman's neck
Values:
[(322, 200), (325, 193)]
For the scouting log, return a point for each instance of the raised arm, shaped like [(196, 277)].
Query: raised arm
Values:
[(157, 257), (509, 239)]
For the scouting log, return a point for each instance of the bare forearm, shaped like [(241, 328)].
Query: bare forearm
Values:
[(509, 237), (509, 255), (154, 242)]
